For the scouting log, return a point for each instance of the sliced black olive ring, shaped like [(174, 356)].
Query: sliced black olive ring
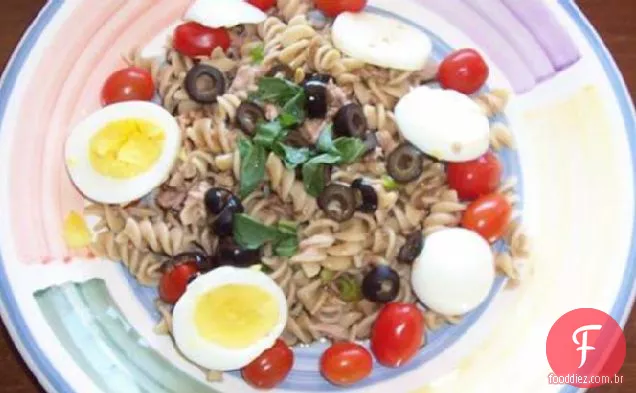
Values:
[(412, 248), (248, 115), (205, 83), (405, 163), (316, 99), (350, 121), (381, 284), (338, 202), (366, 196)]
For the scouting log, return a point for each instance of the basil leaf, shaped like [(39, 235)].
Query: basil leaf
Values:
[(287, 247), (252, 166), (314, 173), (252, 234), (288, 120), (325, 141), (268, 133), (348, 288), (349, 149), (294, 110), (258, 54), (277, 90), (293, 156)]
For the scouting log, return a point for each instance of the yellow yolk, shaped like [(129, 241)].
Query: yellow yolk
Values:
[(126, 148), (235, 315), (76, 232)]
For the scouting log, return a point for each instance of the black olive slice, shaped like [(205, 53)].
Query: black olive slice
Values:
[(248, 115), (205, 83), (405, 163), (412, 248), (281, 69), (350, 121), (231, 254), (338, 202), (316, 103), (381, 284), (366, 197)]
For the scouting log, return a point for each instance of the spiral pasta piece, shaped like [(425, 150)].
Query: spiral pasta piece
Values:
[(494, 102), (213, 135), (290, 9), (284, 184), (156, 237), (271, 31), (501, 137)]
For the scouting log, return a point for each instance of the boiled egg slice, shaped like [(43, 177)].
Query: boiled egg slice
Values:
[(228, 317), (455, 271), (224, 13), (444, 124), (381, 41), (121, 152)]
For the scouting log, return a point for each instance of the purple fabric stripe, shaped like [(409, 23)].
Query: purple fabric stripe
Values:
[(554, 39), (487, 38), (510, 29)]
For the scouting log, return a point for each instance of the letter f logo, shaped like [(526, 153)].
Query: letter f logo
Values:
[(584, 348)]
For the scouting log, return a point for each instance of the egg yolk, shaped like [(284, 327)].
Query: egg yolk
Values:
[(126, 148), (75, 231), (235, 315)]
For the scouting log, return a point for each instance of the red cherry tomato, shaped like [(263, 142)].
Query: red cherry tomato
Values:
[(475, 178), (398, 334), (271, 368), (489, 216), (346, 363), (129, 84), (192, 39), (174, 282), (464, 71), (334, 8), (264, 5)]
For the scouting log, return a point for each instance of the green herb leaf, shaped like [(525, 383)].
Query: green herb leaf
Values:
[(348, 288), (258, 54), (252, 166), (287, 247), (277, 90), (293, 156), (349, 149), (294, 110), (325, 141), (268, 133), (389, 183), (288, 120), (314, 173), (252, 234)]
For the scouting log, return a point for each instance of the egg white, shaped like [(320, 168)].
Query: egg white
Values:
[(444, 124), (224, 13), (455, 271), (210, 355), (104, 189)]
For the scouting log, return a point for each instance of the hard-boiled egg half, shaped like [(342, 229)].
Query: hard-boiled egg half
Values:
[(228, 317), (224, 13), (121, 152), (455, 271), (444, 124), (381, 41)]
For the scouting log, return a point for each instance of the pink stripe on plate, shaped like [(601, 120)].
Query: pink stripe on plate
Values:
[(500, 17), (488, 39), (553, 37)]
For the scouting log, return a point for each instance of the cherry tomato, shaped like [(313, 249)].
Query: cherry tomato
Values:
[(334, 8), (174, 282), (464, 71), (192, 39), (489, 216), (129, 84), (271, 368), (264, 5), (398, 334), (475, 178), (346, 363)]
